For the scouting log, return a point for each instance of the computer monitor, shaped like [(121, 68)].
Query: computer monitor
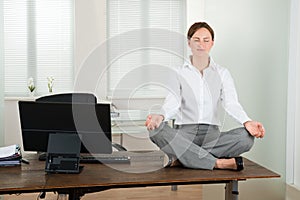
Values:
[(91, 121)]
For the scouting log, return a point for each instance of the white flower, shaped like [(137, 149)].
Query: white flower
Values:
[(30, 84), (50, 79), (50, 83)]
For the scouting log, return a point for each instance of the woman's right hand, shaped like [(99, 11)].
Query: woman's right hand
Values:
[(153, 121)]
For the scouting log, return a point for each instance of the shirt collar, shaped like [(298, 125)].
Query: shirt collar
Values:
[(212, 64)]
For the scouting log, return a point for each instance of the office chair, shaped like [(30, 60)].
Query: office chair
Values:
[(69, 97), (76, 98)]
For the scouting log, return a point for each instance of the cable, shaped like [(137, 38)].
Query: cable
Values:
[(42, 194)]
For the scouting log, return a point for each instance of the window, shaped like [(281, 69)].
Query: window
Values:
[(38, 43), (145, 40)]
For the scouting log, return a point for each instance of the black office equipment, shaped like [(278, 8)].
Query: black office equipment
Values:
[(91, 121), (106, 159), (75, 97), (63, 153), (69, 98)]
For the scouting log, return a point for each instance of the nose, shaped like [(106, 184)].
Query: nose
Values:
[(200, 44)]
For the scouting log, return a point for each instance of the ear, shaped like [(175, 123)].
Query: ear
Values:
[(189, 43)]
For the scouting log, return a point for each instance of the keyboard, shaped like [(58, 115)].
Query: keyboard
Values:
[(105, 159)]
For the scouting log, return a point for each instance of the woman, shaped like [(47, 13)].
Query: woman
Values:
[(197, 91)]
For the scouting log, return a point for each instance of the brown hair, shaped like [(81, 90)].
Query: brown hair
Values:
[(197, 26)]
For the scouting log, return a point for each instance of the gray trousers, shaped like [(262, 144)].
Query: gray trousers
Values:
[(199, 145)]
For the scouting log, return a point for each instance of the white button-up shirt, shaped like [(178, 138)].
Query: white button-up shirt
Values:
[(195, 98)]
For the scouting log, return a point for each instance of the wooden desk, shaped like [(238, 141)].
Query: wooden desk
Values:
[(144, 170)]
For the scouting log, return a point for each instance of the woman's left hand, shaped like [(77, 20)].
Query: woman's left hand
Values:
[(255, 128)]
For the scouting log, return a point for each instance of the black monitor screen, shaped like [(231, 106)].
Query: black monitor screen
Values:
[(91, 121)]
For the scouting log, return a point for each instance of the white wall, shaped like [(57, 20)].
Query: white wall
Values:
[(1, 79), (90, 22), (90, 35), (11, 122), (293, 118)]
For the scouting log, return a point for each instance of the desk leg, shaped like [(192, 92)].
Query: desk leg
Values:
[(232, 191), (74, 195), (121, 139), (174, 187)]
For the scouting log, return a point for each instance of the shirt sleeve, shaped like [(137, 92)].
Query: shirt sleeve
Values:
[(172, 102), (230, 100)]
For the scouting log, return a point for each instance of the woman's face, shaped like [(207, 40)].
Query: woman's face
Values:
[(201, 42)]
